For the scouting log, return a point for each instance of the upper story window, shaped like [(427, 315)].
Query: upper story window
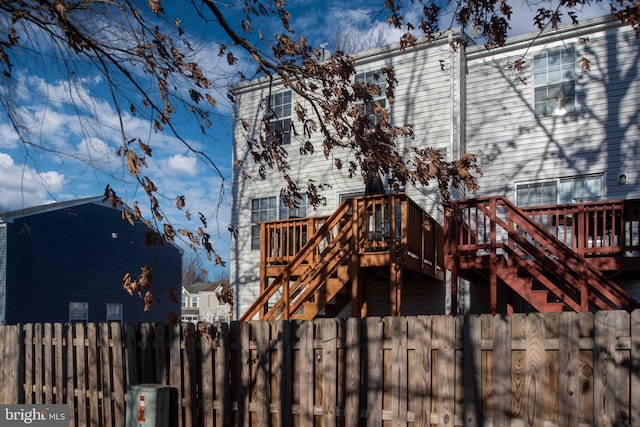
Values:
[(194, 301), (554, 82), (272, 208), (279, 115), (560, 191), (185, 300), (374, 77)]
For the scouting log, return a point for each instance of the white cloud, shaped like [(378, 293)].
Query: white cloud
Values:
[(21, 186), (8, 136), (182, 165)]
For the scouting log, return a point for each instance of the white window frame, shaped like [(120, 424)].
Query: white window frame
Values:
[(195, 302), (369, 77), (563, 197), (554, 85), (279, 210), (280, 106)]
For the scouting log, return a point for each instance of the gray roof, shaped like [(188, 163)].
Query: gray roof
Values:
[(49, 207), (197, 287)]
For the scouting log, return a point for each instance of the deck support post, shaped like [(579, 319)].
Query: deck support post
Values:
[(264, 247), (395, 280), (493, 270), (355, 272)]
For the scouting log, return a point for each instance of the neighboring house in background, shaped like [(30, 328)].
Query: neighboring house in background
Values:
[(200, 303), (557, 130), (65, 262)]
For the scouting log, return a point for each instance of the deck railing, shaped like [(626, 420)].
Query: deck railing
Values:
[(536, 239), (593, 228), (383, 222)]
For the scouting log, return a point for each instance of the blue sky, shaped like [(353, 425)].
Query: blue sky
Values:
[(80, 121)]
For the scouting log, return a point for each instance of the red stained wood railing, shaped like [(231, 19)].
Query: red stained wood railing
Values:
[(556, 238), (594, 228)]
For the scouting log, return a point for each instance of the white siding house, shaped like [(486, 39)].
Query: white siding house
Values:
[(428, 96), (558, 131), (548, 132)]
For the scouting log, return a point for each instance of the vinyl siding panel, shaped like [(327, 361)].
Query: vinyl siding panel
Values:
[(600, 137)]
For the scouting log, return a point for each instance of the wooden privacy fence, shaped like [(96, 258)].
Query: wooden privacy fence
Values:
[(566, 369)]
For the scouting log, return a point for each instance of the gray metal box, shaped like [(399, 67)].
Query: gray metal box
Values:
[(148, 405)]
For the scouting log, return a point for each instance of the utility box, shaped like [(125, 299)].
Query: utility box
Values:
[(148, 405)]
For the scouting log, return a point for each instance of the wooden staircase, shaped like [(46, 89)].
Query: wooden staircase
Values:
[(306, 285), (314, 267), (493, 236)]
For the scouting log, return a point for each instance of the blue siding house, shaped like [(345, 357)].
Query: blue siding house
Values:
[(65, 262)]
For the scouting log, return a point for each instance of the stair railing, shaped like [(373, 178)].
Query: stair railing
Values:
[(476, 231), (317, 243)]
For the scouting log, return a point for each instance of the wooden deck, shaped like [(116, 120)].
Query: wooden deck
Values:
[(555, 258), (309, 263)]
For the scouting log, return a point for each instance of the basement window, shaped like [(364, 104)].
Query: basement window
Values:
[(78, 311)]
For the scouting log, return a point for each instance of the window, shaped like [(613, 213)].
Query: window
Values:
[(114, 312), (299, 211), (194, 301), (279, 115), (268, 209), (537, 194), (374, 77), (262, 209), (185, 300), (554, 82), (562, 190), (581, 189), (78, 311)]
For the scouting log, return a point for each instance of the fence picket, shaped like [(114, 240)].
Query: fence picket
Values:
[(28, 363), (534, 361), (37, 359), (118, 375), (419, 329), (352, 372), (207, 375), (329, 371), (71, 374), (81, 373), (444, 328), (222, 376), (569, 381), (399, 393), (375, 370), (48, 363), (175, 363), (501, 372), (92, 371), (59, 362), (105, 378)]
